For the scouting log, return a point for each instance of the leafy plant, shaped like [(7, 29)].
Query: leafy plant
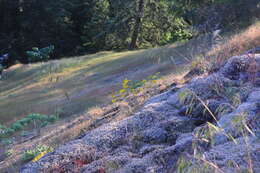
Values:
[(134, 87), (240, 123), (185, 165), (36, 153), (38, 121), (9, 153), (207, 133), (6, 141), (42, 54)]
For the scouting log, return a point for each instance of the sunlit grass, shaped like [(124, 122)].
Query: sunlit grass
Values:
[(73, 84), (78, 83)]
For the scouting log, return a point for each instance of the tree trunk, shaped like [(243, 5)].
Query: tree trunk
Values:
[(138, 24)]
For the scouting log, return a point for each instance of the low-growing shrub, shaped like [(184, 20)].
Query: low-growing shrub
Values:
[(9, 153), (134, 87), (37, 120), (42, 54), (6, 141), (36, 153)]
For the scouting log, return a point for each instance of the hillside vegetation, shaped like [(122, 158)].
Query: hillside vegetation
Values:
[(210, 123), (71, 86), (79, 27), (129, 86)]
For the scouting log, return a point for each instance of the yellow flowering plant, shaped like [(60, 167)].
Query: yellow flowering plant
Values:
[(37, 153), (134, 87)]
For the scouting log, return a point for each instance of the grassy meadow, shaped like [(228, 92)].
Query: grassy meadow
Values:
[(71, 86), (77, 88)]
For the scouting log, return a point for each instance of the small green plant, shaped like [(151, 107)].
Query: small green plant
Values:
[(231, 94), (190, 98), (200, 63), (36, 153), (37, 120), (224, 108), (9, 153), (197, 163), (6, 141), (134, 87), (240, 123), (42, 54)]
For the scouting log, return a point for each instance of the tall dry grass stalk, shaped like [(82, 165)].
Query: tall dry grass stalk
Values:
[(237, 44)]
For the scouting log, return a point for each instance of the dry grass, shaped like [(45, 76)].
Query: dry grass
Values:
[(83, 82), (236, 45), (72, 86), (95, 111)]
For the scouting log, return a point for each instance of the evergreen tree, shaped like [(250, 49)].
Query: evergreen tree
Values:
[(85, 26)]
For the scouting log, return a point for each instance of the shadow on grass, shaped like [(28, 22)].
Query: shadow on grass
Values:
[(90, 84)]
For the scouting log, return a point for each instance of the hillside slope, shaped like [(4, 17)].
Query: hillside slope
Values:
[(214, 119), (73, 85)]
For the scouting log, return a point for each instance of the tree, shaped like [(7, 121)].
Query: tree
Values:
[(77, 27), (138, 23), (83, 26)]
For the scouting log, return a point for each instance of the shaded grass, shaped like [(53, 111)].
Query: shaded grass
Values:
[(78, 83)]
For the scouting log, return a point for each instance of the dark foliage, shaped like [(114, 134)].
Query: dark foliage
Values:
[(77, 27)]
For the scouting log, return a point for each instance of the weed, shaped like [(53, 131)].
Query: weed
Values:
[(134, 87), (38, 121), (197, 163), (9, 153), (36, 153), (195, 166), (191, 98), (6, 141), (239, 122)]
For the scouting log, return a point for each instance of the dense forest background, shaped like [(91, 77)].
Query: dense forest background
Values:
[(78, 27)]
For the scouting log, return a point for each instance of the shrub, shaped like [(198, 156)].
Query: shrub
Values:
[(42, 54), (9, 153), (134, 87), (36, 153), (38, 120), (7, 141)]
